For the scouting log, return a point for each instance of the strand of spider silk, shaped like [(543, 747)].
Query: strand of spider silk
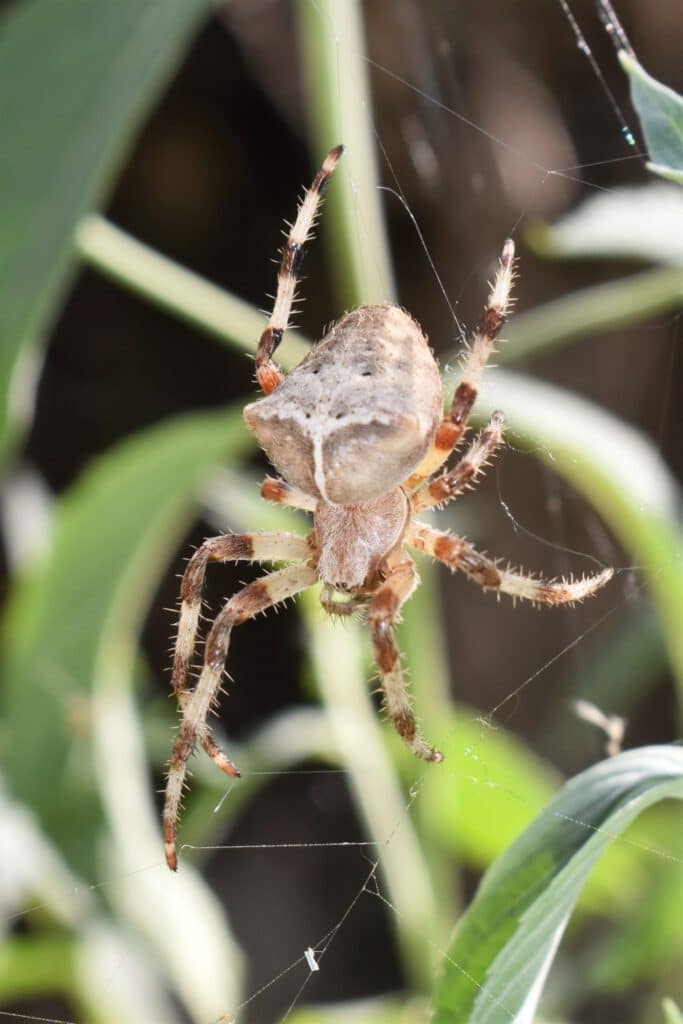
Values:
[(41, 1020), (614, 28), (445, 955), (324, 943), (283, 846), (588, 53)]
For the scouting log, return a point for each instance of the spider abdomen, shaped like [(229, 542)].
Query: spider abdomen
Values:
[(358, 415)]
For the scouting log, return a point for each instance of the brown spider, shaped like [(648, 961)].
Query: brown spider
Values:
[(358, 433)]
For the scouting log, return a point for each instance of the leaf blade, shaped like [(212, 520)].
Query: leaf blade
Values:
[(59, 614), (505, 943), (660, 110), (101, 66)]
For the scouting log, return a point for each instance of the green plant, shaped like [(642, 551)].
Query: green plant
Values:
[(73, 668)]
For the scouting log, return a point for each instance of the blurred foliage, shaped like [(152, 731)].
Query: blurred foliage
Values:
[(74, 702), (103, 584), (70, 134), (672, 1014)]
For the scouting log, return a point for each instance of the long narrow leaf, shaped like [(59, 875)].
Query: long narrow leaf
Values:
[(496, 967), (76, 78), (72, 632), (618, 470)]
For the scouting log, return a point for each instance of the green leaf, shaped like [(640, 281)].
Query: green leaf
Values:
[(589, 311), (362, 1011), (672, 1015), (660, 110), (72, 634), (76, 79), (113, 531), (504, 945), (488, 776), (649, 940), (666, 172), (629, 223), (618, 470), (34, 965)]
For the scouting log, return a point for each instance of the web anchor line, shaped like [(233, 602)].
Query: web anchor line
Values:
[(585, 49)]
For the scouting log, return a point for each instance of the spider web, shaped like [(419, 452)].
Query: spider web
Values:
[(279, 990)]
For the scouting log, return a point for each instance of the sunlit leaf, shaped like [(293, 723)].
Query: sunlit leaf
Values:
[(649, 939), (31, 966), (71, 635), (672, 1015), (618, 470), (487, 776), (366, 1011), (497, 964), (121, 517), (76, 79), (629, 223)]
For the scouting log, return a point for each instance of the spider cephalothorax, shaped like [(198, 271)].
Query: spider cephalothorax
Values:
[(358, 433)]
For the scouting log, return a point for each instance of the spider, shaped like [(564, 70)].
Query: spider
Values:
[(358, 435)]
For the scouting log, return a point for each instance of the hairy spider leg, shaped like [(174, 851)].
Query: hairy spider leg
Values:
[(383, 612), (453, 425), (457, 553), (270, 590), (444, 488), (282, 493), (268, 375), (237, 547)]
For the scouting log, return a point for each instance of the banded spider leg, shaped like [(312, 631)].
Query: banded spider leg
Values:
[(195, 704), (454, 424)]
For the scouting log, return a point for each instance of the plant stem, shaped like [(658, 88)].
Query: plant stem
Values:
[(237, 323), (604, 307), (332, 42), (176, 289), (338, 661)]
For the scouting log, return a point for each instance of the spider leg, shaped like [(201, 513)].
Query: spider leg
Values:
[(453, 425), (268, 375), (256, 597), (383, 613), (457, 553), (236, 547), (453, 482), (282, 493), (252, 547)]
